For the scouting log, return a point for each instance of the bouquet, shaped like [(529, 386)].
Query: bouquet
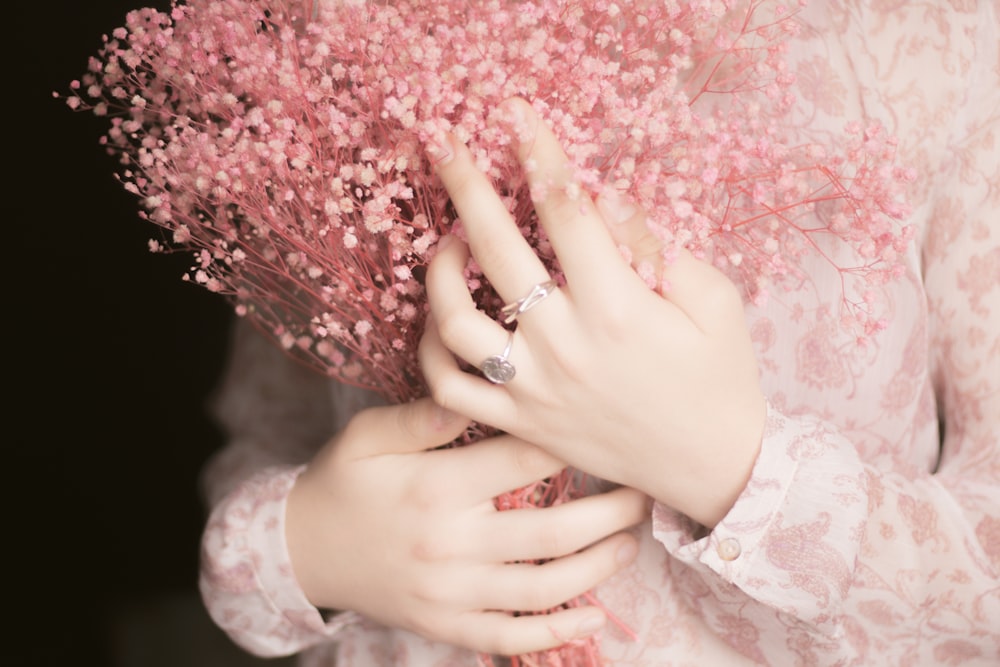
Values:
[(281, 143)]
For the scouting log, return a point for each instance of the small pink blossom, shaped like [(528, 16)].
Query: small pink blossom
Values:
[(287, 152)]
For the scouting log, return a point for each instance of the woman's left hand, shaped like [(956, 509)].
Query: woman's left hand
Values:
[(657, 392)]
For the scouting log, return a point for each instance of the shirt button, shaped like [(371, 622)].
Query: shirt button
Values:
[(729, 549)]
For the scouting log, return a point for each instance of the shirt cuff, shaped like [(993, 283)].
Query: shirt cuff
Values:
[(247, 581), (266, 537), (791, 539)]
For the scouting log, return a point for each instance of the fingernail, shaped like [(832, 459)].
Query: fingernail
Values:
[(614, 207), (513, 117), (590, 625), (439, 150), (626, 553)]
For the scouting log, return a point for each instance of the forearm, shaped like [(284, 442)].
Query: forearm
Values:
[(246, 578)]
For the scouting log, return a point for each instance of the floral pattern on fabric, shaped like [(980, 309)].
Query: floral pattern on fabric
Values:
[(862, 537)]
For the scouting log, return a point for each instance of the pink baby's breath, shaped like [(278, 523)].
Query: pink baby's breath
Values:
[(283, 142)]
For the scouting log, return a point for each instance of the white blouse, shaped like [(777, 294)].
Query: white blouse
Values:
[(862, 537)]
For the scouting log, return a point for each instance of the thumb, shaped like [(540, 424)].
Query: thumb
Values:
[(627, 225), (400, 429)]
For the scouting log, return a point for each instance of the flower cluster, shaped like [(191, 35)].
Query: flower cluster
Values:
[(282, 142)]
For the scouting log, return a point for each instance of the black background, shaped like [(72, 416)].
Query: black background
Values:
[(113, 357)]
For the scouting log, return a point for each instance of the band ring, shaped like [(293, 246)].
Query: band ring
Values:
[(511, 311), (497, 369)]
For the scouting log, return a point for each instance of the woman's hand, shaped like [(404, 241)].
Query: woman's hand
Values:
[(659, 393), (410, 538)]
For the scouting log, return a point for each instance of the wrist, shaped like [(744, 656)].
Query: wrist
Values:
[(722, 464), (298, 541)]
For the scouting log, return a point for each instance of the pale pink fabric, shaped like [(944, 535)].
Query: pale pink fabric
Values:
[(860, 539)]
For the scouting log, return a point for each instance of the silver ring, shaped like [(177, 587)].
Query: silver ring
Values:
[(496, 368), (511, 310)]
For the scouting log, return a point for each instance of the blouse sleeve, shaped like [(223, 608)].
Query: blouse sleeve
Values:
[(275, 414), (844, 545)]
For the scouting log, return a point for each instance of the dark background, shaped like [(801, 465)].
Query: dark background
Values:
[(113, 360)]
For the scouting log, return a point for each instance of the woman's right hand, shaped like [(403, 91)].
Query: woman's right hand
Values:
[(410, 538)]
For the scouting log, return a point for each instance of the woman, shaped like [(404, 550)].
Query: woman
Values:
[(776, 493)]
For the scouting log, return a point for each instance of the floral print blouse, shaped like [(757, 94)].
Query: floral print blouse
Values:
[(869, 532)]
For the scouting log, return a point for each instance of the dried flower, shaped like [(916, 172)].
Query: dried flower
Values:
[(282, 142)]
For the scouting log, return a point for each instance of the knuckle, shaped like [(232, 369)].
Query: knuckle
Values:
[(428, 551), (421, 622), (428, 591), (553, 543), (498, 258), (538, 598), (618, 318), (451, 330), (722, 297), (426, 494), (462, 182), (562, 200), (572, 361), (445, 393), (410, 421), (442, 269), (637, 506), (362, 424), (532, 460)]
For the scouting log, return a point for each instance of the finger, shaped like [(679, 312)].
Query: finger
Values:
[(485, 469), (499, 247), (553, 532), (629, 229), (462, 392), (530, 587), (400, 429), (707, 296), (498, 633), (573, 224), (465, 330)]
